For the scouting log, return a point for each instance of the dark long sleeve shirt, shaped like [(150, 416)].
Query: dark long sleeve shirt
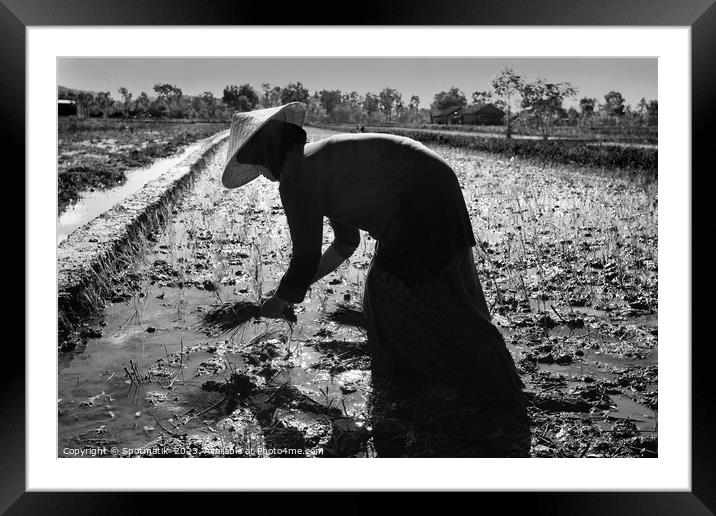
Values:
[(403, 194)]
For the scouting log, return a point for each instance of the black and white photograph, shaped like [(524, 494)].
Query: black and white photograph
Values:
[(357, 257), (447, 247)]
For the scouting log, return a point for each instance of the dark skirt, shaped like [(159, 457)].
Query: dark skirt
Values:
[(438, 329)]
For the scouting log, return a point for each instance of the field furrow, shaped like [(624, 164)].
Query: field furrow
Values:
[(568, 261)]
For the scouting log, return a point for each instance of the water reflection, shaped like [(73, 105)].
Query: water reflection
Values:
[(93, 204)]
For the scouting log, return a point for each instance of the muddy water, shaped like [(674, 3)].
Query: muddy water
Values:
[(141, 381), (98, 403), (95, 203)]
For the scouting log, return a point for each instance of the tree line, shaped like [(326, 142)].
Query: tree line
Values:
[(169, 101), (538, 104)]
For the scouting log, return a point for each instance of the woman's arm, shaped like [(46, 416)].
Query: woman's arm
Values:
[(345, 242), (302, 202), (330, 261)]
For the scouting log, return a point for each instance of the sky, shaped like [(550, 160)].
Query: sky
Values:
[(634, 78)]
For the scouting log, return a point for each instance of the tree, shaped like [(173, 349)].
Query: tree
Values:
[(240, 98), (507, 85), (543, 101), (85, 99), (208, 104), (388, 99), (641, 106), (614, 104), (587, 105), (231, 96), (294, 92), (169, 99), (652, 112), (573, 116), (103, 102), (353, 99), (222, 111), (271, 95), (352, 105), (195, 108), (499, 103), (482, 97), (143, 104), (126, 100), (330, 100), (399, 108), (414, 104), (248, 98), (371, 103), (116, 109), (450, 98), (314, 111)]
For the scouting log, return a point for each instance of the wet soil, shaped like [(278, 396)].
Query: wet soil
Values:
[(96, 154), (93, 203), (568, 263)]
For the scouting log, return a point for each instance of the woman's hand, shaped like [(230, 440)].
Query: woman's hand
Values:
[(276, 308)]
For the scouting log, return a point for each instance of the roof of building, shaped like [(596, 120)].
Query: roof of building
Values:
[(476, 108), (446, 111)]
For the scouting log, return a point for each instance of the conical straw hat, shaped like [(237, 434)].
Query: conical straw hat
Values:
[(243, 126)]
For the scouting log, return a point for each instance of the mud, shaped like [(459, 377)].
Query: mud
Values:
[(95, 155), (568, 263), (88, 258)]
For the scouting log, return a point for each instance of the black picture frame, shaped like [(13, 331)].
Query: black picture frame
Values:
[(700, 15)]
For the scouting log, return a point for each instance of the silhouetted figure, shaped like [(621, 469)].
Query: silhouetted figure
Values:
[(432, 341)]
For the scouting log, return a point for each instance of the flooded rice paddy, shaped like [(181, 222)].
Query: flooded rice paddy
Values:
[(568, 264), (93, 203)]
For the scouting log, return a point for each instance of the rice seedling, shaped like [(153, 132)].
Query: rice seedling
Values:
[(257, 272), (322, 295), (134, 376), (231, 317), (547, 258), (348, 315)]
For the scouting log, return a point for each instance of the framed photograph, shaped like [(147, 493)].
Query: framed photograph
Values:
[(429, 247)]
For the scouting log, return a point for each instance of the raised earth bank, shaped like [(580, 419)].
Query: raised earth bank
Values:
[(96, 154), (568, 261), (91, 255)]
